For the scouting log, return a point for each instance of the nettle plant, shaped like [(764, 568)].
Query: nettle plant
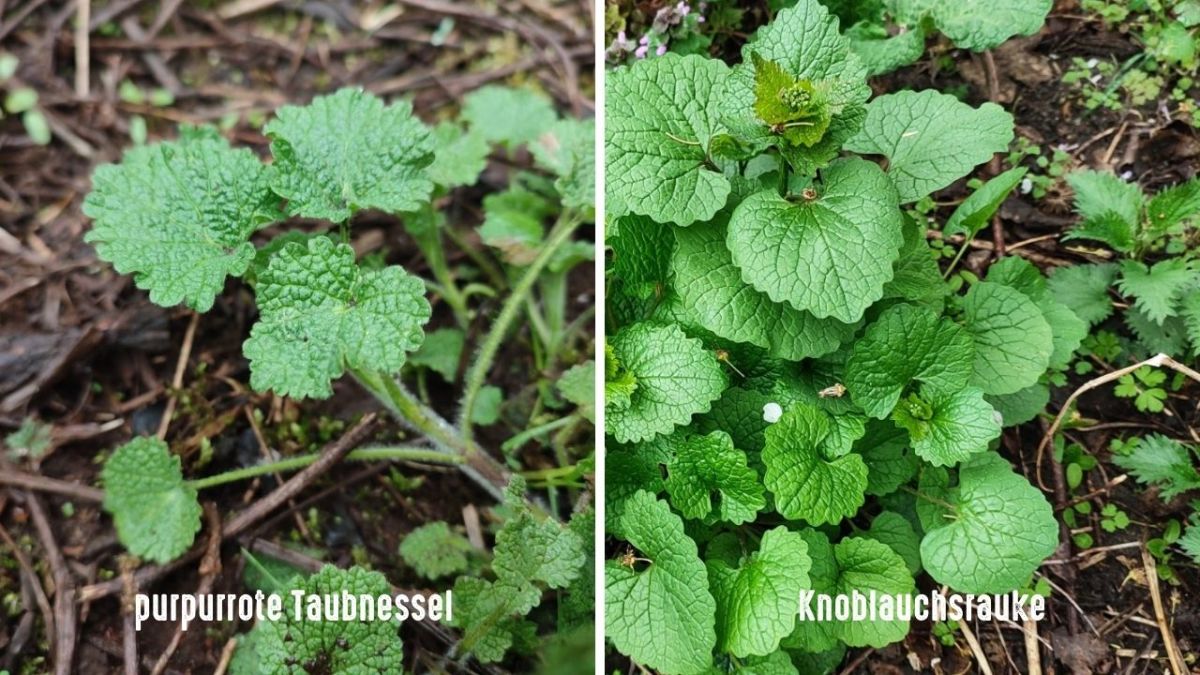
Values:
[(181, 217), (796, 398)]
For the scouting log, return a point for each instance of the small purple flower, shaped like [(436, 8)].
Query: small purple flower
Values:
[(683, 8), (645, 39), (699, 19), (621, 37), (640, 52), (662, 49)]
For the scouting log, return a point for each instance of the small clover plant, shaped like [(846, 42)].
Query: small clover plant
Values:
[(185, 216), (787, 363)]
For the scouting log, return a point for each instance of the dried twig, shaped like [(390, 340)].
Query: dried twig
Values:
[(1160, 616), (65, 619), (185, 353), (976, 650)]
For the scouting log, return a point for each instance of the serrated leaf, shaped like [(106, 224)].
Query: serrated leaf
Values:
[(568, 149), (1013, 341), (711, 288), (807, 252), (708, 469), (628, 470), (178, 216), (675, 378), (1156, 290), (1174, 205), (884, 448), (806, 486), (641, 254), (155, 511), (796, 109), (660, 116), (489, 613), (669, 597), (977, 209), (1170, 337), (1162, 462), (319, 314), (1067, 329), (509, 115), (348, 151), (459, 157), (287, 645), (947, 427), (529, 549), (980, 25), (916, 275), (803, 40), (906, 343), (1084, 288), (578, 385), (1001, 528), (897, 533), (1101, 192), (756, 601), (739, 412), (434, 550), (931, 139)]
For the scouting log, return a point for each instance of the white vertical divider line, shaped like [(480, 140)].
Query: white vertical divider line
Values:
[(598, 38)]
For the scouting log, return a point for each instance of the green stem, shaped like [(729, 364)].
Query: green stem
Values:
[(435, 255), (493, 272), (963, 249), (932, 500), (403, 454), (527, 435), (559, 235)]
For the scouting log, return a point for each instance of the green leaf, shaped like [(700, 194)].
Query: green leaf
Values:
[(661, 615), (1189, 311), (434, 550), (882, 53), (708, 469), (660, 116), (1000, 529), (1174, 205), (947, 427), (1013, 341), (806, 486), (179, 215), (629, 469), (348, 151), (803, 40), (977, 210), (319, 314), (906, 343), (489, 614), (641, 254), (531, 549), (1101, 195), (512, 223), (675, 378), (1156, 290), (459, 157), (487, 405), (1021, 406), (756, 601), (156, 512), (1067, 329), (931, 139), (897, 533), (1109, 228), (854, 564), (808, 252), (1084, 288), (1162, 462), (568, 149), (441, 352), (508, 115), (980, 25), (884, 448), (287, 645), (797, 108), (712, 290), (578, 385), (739, 413), (917, 276)]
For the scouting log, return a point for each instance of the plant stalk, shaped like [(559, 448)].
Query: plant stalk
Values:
[(409, 454)]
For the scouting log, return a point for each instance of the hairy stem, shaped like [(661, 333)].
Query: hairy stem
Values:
[(476, 375), (408, 454)]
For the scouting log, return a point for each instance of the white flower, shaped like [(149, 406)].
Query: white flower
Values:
[(772, 412)]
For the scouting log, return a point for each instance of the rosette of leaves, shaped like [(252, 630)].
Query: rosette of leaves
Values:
[(776, 266)]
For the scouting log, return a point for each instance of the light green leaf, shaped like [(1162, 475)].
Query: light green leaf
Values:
[(1156, 290), (1013, 341), (1098, 193), (1021, 406), (1084, 288), (459, 157), (179, 215), (675, 378), (1068, 330), (531, 549), (1174, 205), (906, 343), (947, 426), (441, 352), (285, 646), (980, 25), (708, 469), (931, 139), (739, 412), (805, 485), (1162, 462), (808, 252), (156, 512), (882, 53), (917, 276), (319, 314), (490, 616), (508, 115), (434, 550), (897, 533), (712, 290), (669, 597), (977, 210), (512, 223), (756, 601), (659, 119), (1001, 528), (348, 151), (578, 385), (487, 405), (568, 149)]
